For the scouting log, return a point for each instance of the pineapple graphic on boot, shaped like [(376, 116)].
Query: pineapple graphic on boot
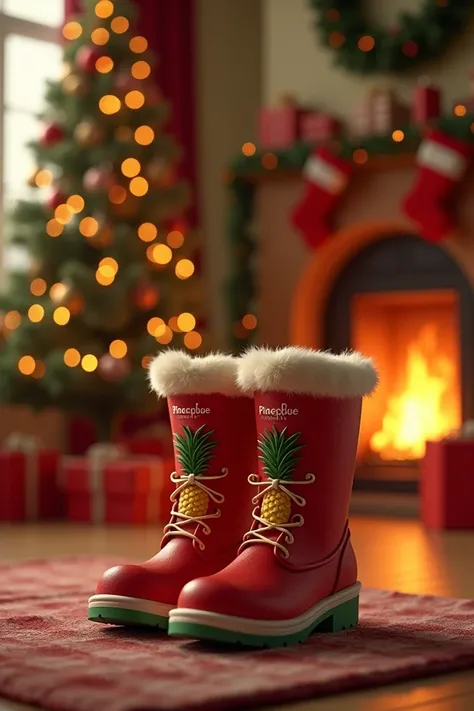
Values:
[(213, 428)]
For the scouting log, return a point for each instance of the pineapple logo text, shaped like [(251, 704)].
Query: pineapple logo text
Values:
[(191, 412), (277, 413)]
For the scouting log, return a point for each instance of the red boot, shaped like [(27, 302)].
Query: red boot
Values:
[(214, 444), (296, 571)]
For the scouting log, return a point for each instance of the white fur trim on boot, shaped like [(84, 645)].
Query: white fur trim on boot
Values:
[(175, 372), (301, 370)]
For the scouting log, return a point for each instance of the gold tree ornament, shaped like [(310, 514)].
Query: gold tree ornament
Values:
[(75, 85), (88, 133)]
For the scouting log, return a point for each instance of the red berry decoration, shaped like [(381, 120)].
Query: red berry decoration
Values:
[(56, 199), (87, 57), (52, 134)]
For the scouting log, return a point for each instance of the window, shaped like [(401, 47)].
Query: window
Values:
[(30, 54)]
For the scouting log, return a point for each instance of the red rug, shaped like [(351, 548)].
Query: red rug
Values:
[(52, 657)]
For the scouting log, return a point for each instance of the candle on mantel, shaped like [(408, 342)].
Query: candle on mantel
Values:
[(426, 104)]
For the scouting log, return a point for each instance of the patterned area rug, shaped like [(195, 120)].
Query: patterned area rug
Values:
[(52, 657)]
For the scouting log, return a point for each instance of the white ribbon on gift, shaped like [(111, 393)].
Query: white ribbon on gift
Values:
[(99, 455), (29, 446)]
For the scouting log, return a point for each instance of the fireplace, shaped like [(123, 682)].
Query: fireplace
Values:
[(408, 304)]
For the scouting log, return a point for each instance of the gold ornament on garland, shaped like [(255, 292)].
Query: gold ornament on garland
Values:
[(74, 85), (88, 133)]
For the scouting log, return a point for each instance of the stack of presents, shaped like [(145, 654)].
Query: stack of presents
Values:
[(127, 481)]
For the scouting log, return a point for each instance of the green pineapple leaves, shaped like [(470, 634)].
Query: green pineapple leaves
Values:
[(194, 449), (278, 453)]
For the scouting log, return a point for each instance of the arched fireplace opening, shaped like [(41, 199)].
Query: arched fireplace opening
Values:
[(409, 305)]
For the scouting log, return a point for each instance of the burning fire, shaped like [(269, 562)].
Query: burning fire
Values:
[(427, 405)]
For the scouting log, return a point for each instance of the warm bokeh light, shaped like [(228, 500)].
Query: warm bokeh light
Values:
[(72, 357), (175, 239), (160, 253), (40, 370), (107, 272), (131, 167), (58, 291), (12, 320), (104, 279), (249, 322), (336, 39), (186, 322), (72, 30), (138, 45), (110, 104), (109, 262), (117, 194), (360, 156), (53, 228), (398, 136), (26, 365), (333, 15), (147, 232), (154, 324), (89, 363), (118, 349), (43, 178), (134, 99), (139, 187), (104, 64), (173, 324), (104, 9), (38, 287), (184, 269), (144, 135), (62, 214), (61, 315), (88, 226), (36, 313), (141, 70), (119, 25), (100, 36), (366, 43), (269, 161), (460, 110), (249, 149), (146, 360), (192, 340), (75, 203), (165, 335)]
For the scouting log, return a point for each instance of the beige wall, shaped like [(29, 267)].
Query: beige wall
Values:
[(228, 96), (293, 60)]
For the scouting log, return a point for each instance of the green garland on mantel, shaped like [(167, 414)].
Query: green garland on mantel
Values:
[(241, 288), (363, 48)]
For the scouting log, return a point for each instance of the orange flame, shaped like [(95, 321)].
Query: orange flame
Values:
[(426, 407)]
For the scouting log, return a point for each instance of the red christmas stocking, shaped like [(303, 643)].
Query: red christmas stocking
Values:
[(442, 162), (326, 177)]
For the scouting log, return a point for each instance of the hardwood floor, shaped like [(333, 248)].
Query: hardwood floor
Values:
[(396, 554)]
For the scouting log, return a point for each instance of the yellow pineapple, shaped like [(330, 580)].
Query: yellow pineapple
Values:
[(194, 452), (278, 454)]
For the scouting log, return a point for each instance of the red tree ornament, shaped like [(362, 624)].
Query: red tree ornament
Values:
[(53, 133), (97, 179), (87, 57), (56, 199), (145, 296)]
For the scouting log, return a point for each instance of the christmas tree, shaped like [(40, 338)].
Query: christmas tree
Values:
[(111, 271)]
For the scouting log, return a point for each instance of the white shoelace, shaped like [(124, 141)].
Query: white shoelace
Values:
[(257, 535), (175, 528)]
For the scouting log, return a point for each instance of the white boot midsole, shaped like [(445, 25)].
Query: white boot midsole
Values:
[(264, 628), (136, 604)]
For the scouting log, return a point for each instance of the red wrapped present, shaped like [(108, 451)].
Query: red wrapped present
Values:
[(317, 126), (378, 113), (280, 125), (29, 488), (426, 103), (112, 486), (155, 440), (446, 485)]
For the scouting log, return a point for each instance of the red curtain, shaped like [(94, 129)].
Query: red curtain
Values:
[(168, 26)]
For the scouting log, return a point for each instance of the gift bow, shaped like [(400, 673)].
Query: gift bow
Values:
[(29, 445), (99, 455)]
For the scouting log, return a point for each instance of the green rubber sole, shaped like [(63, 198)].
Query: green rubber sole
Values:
[(340, 618), (129, 618)]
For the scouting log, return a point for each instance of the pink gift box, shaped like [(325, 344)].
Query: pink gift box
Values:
[(319, 126), (279, 125)]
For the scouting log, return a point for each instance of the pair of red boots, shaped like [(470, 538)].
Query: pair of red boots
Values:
[(270, 576)]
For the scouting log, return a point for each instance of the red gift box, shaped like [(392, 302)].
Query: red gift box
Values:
[(29, 488), (426, 103), (129, 490), (447, 484), (318, 126), (279, 126), (378, 113)]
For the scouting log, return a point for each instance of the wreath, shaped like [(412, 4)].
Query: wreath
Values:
[(367, 49)]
